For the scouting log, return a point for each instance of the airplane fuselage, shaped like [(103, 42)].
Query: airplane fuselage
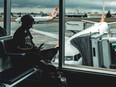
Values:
[(97, 27), (42, 19), (38, 19)]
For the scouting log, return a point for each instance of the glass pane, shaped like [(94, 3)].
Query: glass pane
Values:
[(86, 29), (1, 17), (46, 22)]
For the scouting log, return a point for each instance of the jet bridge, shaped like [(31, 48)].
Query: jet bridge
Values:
[(96, 50), (103, 51), (83, 44)]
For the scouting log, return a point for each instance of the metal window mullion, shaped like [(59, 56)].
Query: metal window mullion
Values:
[(61, 32), (7, 15)]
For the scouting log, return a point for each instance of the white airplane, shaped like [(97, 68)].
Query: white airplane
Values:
[(42, 18)]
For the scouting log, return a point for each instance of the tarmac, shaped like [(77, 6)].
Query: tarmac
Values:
[(39, 38), (73, 19), (53, 27)]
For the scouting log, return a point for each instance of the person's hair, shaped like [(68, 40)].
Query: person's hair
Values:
[(27, 19)]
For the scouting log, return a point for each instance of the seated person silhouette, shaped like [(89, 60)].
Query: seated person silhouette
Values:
[(23, 42)]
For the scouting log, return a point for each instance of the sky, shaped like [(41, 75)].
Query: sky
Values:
[(80, 4), (69, 3), (35, 3)]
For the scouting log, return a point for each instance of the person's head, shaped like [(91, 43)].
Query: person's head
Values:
[(27, 21)]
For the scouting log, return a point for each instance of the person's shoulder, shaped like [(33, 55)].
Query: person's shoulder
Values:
[(19, 30), (17, 33)]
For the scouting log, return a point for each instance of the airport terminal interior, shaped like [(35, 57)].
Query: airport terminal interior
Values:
[(83, 44)]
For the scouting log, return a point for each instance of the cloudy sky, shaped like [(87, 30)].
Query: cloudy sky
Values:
[(35, 3), (69, 3), (88, 4)]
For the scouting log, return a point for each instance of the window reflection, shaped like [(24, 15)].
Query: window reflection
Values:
[(113, 55), (1, 18)]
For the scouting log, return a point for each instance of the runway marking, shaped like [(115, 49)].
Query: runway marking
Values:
[(47, 34)]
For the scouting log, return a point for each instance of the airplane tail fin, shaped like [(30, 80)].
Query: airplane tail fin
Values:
[(103, 16), (54, 13)]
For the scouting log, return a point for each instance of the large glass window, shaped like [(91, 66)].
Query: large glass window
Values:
[(86, 44), (46, 22)]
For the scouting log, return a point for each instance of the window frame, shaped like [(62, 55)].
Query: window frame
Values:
[(7, 16)]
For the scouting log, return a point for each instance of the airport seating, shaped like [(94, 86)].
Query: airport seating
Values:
[(11, 76)]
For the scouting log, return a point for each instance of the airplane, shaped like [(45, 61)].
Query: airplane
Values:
[(42, 18)]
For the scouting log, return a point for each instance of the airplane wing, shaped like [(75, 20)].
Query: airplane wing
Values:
[(87, 21), (110, 23), (47, 34)]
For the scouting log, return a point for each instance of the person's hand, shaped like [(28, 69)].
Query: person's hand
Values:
[(57, 45), (41, 46)]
